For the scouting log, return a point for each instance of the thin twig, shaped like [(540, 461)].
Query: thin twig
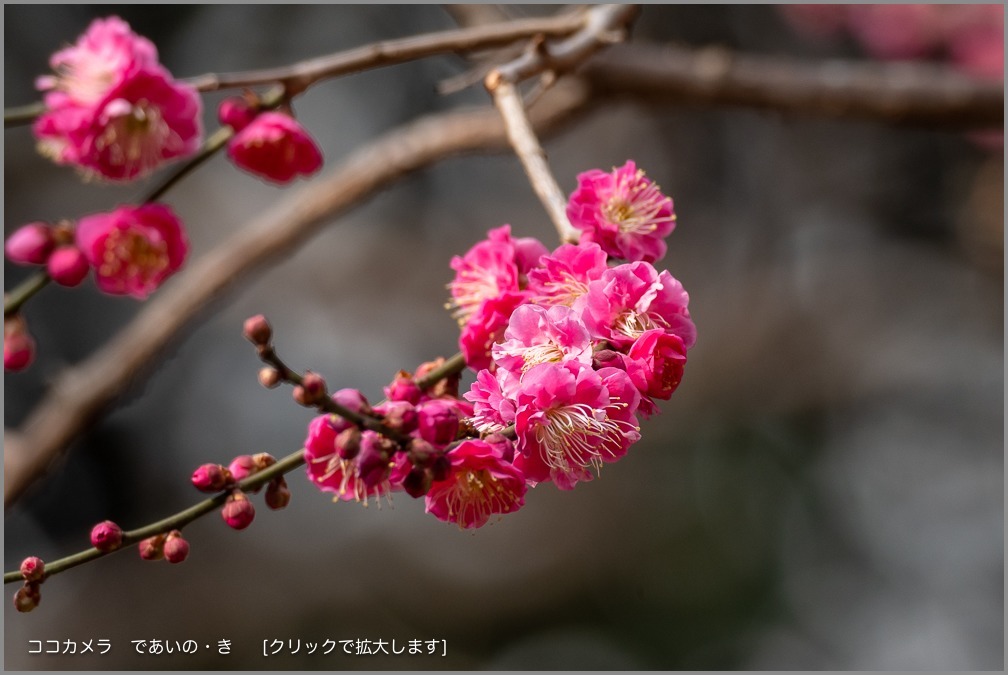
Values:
[(83, 392), (901, 93), (604, 24), (25, 114), (20, 294)]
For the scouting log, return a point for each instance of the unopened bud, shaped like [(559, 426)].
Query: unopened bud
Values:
[(106, 536), (417, 482), (314, 387), (607, 358), (261, 460), (257, 330), (212, 478), (32, 568), (502, 446), (438, 422), (348, 443), (30, 244), (67, 266), (176, 549), (19, 345), (152, 548), (373, 460), (278, 495), (235, 112), (27, 597), (269, 377), (440, 468), (242, 467), (353, 400), (238, 511), (444, 388), (403, 388), (422, 453), (398, 415)]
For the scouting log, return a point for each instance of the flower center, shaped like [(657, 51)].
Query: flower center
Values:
[(548, 352), (476, 495), (633, 324), (635, 205), (574, 437), (469, 290), (137, 138), (131, 255)]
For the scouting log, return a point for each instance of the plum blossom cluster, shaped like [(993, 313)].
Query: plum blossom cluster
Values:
[(112, 109), (570, 348), (238, 511), (132, 250)]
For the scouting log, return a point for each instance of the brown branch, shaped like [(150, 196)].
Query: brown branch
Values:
[(604, 24), (299, 76), (83, 392), (903, 93)]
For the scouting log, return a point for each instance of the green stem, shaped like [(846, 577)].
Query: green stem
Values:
[(26, 289), (211, 146), (24, 114)]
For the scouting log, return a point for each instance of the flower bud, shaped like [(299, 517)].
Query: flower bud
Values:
[(30, 244), (278, 495), (67, 266), (398, 415), (353, 400), (403, 388), (445, 388), (261, 460), (32, 568), (152, 548), (502, 446), (422, 453), (314, 388), (106, 536), (604, 358), (212, 478), (238, 511), (269, 377), (348, 443), (417, 482), (438, 422), (373, 460), (27, 597), (176, 549), (19, 345), (235, 112), (257, 330), (242, 467)]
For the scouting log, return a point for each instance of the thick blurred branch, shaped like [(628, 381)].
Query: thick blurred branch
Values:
[(904, 93), (81, 393)]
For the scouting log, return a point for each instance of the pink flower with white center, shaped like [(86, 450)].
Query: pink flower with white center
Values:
[(276, 147), (567, 423), (134, 248), (563, 276), (628, 300), (112, 109), (623, 211), (655, 363), (486, 327), (542, 335), (146, 121), (105, 54), (492, 410), (486, 271), (479, 484)]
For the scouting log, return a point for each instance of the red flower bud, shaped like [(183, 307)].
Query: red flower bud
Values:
[(30, 244), (32, 568), (235, 112), (176, 549), (417, 482), (257, 330), (238, 511), (242, 467), (348, 443), (403, 388), (67, 266), (314, 387), (106, 536), (19, 345), (212, 478), (278, 495)]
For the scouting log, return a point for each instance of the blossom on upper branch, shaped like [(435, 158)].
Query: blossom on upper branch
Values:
[(276, 147), (113, 110), (134, 248), (623, 211)]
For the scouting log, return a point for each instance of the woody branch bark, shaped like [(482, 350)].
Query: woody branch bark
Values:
[(605, 24), (80, 394), (901, 93)]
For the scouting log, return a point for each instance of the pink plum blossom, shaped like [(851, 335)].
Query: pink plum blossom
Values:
[(276, 147), (134, 248), (492, 410), (655, 363), (479, 484), (542, 335), (563, 276), (112, 109), (630, 299), (567, 422), (486, 271), (623, 211), (486, 326), (331, 472)]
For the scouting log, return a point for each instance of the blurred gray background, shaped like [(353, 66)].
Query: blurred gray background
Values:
[(824, 491)]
